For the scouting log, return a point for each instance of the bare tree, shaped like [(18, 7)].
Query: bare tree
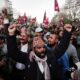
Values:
[(73, 8)]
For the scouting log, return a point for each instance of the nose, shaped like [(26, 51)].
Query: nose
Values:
[(42, 49)]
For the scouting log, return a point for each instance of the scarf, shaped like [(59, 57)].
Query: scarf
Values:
[(43, 66)]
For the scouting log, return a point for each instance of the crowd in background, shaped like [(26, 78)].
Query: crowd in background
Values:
[(23, 43)]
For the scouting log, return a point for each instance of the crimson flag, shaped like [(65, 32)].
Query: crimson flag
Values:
[(20, 19), (44, 18), (56, 6), (46, 21), (25, 17)]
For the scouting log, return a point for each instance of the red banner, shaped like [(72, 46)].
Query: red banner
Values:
[(56, 6)]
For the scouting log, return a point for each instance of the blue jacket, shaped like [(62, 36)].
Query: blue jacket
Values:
[(63, 62)]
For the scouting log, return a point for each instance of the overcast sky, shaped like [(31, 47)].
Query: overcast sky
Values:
[(36, 8)]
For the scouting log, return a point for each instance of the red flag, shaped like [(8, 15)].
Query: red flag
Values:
[(56, 6), (20, 19), (25, 17), (44, 18), (46, 21)]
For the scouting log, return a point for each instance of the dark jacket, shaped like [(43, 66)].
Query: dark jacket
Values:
[(29, 48), (32, 72)]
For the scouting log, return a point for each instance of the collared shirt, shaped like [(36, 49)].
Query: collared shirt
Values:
[(43, 66), (24, 48)]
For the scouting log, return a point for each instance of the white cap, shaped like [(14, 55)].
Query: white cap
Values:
[(39, 29)]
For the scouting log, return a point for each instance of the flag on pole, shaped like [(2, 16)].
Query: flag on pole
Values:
[(44, 18), (20, 19), (25, 17), (46, 21), (56, 6)]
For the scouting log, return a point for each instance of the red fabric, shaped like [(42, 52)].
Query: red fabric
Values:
[(25, 17), (56, 6), (20, 20), (45, 19)]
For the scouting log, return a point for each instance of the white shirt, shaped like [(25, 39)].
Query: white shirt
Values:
[(41, 66), (24, 48), (6, 21)]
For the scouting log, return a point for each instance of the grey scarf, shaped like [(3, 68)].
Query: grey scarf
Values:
[(43, 66)]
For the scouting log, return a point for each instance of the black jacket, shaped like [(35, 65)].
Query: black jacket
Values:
[(32, 72)]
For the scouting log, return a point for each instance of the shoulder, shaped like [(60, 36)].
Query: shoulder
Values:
[(71, 47)]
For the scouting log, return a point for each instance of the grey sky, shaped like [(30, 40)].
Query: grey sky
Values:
[(36, 8)]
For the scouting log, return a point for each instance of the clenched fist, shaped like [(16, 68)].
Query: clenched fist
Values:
[(68, 27), (12, 29)]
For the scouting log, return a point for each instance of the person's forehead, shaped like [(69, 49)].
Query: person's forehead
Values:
[(37, 41), (52, 35), (23, 33), (68, 24), (37, 38)]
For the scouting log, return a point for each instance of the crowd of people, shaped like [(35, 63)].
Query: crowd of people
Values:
[(37, 52)]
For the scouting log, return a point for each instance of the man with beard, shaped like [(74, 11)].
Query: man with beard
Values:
[(44, 65), (64, 60), (53, 40)]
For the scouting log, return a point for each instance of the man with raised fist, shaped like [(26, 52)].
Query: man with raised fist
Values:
[(43, 66)]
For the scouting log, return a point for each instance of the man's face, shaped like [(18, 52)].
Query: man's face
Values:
[(38, 33), (23, 38), (52, 39), (40, 51), (39, 47)]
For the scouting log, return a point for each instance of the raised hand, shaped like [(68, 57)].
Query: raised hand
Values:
[(68, 27), (12, 29)]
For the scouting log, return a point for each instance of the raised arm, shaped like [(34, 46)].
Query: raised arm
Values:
[(64, 42), (13, 51)]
